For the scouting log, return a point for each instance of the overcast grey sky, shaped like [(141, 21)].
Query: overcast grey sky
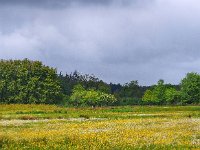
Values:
[(117, 40)]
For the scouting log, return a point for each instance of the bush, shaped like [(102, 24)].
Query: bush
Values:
[(90, 97)]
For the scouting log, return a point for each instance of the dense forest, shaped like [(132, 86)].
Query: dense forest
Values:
[(26, 81)]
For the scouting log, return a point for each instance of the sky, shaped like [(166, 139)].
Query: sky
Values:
[(116, 40)]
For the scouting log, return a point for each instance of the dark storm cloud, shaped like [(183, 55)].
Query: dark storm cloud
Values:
[(67, 3), (117, 40), (53, 3)]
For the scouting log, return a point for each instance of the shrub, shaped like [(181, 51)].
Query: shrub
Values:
[(90, 97)]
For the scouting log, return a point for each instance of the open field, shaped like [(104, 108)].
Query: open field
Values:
[(53, 127)]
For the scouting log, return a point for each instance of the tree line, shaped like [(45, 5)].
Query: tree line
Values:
[(26, 81)]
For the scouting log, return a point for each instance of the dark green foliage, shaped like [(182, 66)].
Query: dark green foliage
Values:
[(128, 101), (68, 81), (129, 93), (25, 81), (128, 90)]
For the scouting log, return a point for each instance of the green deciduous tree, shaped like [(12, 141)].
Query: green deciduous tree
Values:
[(162, 94), (150, 97), (190, 88), (155, 95), (25, 81)]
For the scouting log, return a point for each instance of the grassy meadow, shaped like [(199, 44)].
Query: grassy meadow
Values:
[(131, 127)]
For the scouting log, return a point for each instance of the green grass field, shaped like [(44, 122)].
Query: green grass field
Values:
[(132, 127)]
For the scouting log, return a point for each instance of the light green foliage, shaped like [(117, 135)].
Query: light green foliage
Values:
[(90, 97), (190, 88), (78, 94), (25, 81), (172, 96), (149, 96), (166, 94), (155, 95), (159, 91), (162, 94)]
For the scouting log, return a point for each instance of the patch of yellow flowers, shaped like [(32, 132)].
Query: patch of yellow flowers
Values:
[(149, 133)]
